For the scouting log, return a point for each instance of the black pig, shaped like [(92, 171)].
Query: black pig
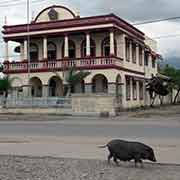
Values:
[(127, 151)]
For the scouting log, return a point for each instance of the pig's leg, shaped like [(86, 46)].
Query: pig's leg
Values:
[(109, 157), (141, 162), (115, 160), (135, 163)]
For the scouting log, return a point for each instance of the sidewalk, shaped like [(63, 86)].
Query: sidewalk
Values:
[(167, 151)]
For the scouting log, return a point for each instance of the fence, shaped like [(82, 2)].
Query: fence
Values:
[(49, 102)]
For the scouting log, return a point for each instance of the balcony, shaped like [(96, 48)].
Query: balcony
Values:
[(63, 64)]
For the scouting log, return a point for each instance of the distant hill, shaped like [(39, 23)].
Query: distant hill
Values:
[(174, 61)]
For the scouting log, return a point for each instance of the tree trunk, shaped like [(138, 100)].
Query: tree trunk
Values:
[(5, 99), (161, 99), (177, 94), (153, 100), (68, 91), (171, 96)]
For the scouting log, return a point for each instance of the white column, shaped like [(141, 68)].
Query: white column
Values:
[(124, 101), (131, 87), (122, 48), (88, 50), (138, 93), (45, 89), (22, 51), (45, 48), (137, 54), (112, 48), (143, 57), (25, 50), (6, 51), (130, 51), (66, 46)]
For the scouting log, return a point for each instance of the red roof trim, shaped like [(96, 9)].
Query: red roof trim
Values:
[(79, 68), (94, 20)]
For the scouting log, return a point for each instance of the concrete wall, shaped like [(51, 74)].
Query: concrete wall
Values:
[(93, 104)]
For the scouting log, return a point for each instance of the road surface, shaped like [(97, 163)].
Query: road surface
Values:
[(78, 137)]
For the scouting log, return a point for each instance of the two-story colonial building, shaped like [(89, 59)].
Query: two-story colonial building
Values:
[(119, 56)]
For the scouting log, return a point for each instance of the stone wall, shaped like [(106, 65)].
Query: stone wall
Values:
[(93, 104)]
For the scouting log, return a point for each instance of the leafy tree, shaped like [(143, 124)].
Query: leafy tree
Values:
[(174, 74), (5, 85), (157, 85), (72, 78)]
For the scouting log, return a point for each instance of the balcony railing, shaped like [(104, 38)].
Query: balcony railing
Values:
[(40, 66)]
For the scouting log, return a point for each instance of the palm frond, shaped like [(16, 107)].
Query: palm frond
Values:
[(74, 77)]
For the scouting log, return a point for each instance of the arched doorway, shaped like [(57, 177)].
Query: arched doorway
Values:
[(106, 47), (72, 49), (16, 86), (92, 48), (99, 84), (36, 87), (51, 51), (33, 52), (55, 87)]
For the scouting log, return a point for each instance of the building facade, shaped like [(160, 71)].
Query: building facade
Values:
[(119, 56)]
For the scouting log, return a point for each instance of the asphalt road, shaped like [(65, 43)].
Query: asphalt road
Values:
[(74, 137), (119, 130)]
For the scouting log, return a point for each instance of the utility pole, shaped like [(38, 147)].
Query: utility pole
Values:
[(28, 45)]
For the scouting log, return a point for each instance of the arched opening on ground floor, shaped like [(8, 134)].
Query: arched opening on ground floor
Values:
[(99, 84), (55, 87), (36, 87)]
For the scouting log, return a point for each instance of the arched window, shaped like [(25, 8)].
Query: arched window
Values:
[(55, 87), (99, 84), (72, 49), (36, 87), (33, 52), (92, 48), (51, 51), (106, 47)]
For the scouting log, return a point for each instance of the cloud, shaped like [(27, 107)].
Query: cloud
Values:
[(138, 10)]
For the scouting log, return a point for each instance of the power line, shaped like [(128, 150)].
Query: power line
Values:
[(167, 36), (8, 2), (20, 3), (156, 20)]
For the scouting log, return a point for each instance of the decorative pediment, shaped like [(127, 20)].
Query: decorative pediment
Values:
[(53, 14)]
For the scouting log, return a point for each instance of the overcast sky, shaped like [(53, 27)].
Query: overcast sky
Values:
[(130, 10)]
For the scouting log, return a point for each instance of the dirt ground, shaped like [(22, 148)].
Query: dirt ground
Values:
[(36, 157), (47, 168)]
